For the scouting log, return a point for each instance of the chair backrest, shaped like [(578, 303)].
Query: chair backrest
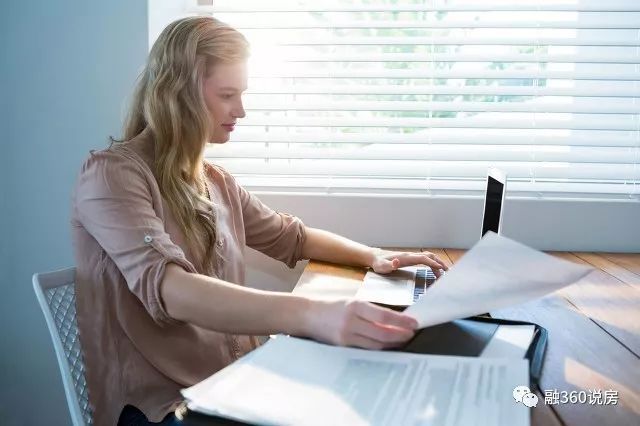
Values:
[(56, 294)]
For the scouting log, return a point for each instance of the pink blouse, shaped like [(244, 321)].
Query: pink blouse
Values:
[(124, 235)]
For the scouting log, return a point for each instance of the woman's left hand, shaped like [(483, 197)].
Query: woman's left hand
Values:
[(385, 262)]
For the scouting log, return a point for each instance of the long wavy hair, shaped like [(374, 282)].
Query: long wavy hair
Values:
[(168, 100)]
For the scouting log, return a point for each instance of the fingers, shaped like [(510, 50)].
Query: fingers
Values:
[(373, 313), (375, 327), (396, 260), (426, 258), (434, 262), (365, 342), (362, 324), (360, 341), (440, 262), (385, 335)]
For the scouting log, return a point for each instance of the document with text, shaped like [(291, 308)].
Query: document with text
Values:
[(495, 273), (292, 381)]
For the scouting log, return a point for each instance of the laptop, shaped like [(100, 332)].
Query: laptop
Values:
[(405, 286)]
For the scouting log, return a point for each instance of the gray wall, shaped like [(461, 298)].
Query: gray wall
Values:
[(4, 128), (4, 263), (67, 66)]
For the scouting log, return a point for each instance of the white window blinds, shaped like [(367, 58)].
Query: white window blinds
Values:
[(421, 97)]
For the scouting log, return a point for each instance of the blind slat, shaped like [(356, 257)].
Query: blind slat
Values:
[(231, 6), (514, 40), (445, 136), (392, 151), (423, 187), (608, 123), (456, 106), (620, 21), (603, 57), (593, 74), (423, 168), (632, 90)]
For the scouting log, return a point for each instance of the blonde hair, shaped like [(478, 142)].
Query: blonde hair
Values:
[(168, 100)]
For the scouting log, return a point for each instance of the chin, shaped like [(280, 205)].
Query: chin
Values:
[(219, 140)]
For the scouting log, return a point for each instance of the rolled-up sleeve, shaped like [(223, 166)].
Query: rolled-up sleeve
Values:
[(278, 235), (114, 203)]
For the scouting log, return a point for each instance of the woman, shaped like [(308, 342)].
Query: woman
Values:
[(159, 236)]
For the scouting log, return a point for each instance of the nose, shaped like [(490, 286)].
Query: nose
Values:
[(239, 111)]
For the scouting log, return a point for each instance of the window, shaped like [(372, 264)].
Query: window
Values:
[(421, 97)]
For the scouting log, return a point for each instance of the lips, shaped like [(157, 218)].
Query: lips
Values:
[(229, 127)]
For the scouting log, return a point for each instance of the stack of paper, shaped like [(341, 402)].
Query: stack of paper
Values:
[(290, 381)]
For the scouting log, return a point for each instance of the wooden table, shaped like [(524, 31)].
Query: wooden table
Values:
[(593, 325)]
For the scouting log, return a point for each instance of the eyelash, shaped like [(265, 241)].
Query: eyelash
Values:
[(226, 96)]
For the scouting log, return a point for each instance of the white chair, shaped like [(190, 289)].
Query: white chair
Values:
[(56, 294)]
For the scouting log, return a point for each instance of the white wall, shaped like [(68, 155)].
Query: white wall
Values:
[(67, 66), (455, 222)]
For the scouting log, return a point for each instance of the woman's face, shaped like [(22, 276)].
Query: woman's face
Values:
[(222, 91)]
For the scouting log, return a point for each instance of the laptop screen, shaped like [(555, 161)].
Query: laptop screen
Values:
[(492, 206)]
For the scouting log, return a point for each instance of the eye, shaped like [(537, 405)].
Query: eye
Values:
[(226, 96)]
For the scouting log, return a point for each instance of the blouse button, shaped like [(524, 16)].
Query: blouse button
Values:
[(148, 239), (220, 243)]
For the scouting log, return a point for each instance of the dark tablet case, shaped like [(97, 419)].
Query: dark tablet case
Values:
[(469, 336)]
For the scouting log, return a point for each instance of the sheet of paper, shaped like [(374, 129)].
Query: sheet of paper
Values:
[(509, 341), (301, 382), (495, 273)]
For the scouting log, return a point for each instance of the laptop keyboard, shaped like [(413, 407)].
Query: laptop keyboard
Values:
[(424, 279)]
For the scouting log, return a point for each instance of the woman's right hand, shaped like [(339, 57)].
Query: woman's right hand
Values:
[(357, 323)]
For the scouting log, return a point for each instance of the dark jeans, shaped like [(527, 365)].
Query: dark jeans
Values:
[(131, 416)]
